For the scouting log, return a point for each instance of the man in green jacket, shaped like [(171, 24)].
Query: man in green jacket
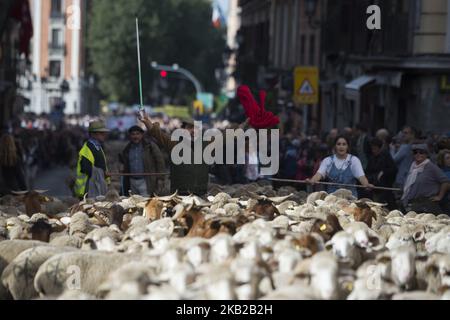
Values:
[(185, 178)]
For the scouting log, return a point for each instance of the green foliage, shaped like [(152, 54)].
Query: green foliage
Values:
[(172, 31)]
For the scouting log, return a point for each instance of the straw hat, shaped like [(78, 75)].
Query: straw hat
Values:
[(97, 126)]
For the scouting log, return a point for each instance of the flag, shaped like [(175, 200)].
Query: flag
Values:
[(220, 13), (20, 11)]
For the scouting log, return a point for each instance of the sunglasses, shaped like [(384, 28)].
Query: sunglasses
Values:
[(419, 152)]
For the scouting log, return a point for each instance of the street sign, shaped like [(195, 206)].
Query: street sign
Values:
[(306, 85), (207, 99)]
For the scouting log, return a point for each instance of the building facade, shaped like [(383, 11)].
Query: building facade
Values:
[(276, 37), (381, 78), (58, 74), (15, 33), (391, 77)]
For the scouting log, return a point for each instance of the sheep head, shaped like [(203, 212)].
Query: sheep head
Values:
[(32, 200), (328, 228)]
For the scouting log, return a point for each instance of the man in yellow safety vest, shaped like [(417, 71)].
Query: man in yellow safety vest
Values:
[(92, 163)]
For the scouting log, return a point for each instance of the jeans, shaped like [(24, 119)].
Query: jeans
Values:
[(139, 186)]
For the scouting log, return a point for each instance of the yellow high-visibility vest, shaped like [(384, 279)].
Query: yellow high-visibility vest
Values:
[(82, 179)]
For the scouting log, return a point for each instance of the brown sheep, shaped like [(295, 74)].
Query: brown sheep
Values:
[(327, 229), (363, 213), (32, 200)]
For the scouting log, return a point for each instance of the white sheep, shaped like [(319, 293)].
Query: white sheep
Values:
[(9, 250), (18, 276), (344, 247), (84, 270)]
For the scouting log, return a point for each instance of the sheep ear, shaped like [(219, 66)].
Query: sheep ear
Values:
[(419, 236), (421, 256), (44, 198), (433, 269), (384, 259)]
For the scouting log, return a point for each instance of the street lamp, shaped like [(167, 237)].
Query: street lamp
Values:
[(177, 69), (310, 12)]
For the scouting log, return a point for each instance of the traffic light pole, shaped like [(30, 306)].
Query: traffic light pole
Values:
[(175, 68)]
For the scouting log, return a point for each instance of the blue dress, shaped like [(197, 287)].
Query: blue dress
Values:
[(339, 175)]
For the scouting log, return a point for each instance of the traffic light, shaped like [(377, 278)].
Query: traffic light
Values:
[(163, 74)]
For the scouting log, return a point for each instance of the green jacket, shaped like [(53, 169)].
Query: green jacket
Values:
[(184, 178)]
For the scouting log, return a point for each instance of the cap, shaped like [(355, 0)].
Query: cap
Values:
[(136, 128), (97, 126), (421, 146), (187, 121)]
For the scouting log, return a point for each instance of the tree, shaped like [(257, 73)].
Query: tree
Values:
[(172, 31)]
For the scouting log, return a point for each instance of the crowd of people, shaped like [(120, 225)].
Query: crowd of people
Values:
[(32, 144), (408, 170), (416, 164)]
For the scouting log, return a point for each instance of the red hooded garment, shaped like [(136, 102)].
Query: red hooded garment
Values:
[(258, 117)]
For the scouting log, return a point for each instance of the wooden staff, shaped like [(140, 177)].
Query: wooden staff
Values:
[(115, 174), (335, 184)]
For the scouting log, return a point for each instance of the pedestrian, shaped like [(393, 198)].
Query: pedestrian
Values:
[(444, 164), (362, 144), (381, 171), (341, 168), (443, 161), (403, 158), (290, 159), (92, 166), (426, 184), (12, 167), (142, 155), (384, 135), (251, 163)]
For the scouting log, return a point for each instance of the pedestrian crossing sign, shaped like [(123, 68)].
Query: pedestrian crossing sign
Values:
[(306, 84), (306, 88)]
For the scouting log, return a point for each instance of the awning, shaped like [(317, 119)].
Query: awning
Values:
[(390, 78), (360, 82), (385, 78)]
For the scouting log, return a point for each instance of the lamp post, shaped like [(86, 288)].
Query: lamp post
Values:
[(177, 69), (310, 12)]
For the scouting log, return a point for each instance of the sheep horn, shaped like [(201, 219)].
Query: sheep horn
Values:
[(40, 191), (278, 200), (19, 193), (168, 198), (179, 212)]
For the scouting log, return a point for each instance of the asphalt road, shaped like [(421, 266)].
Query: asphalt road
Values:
[(54, 180)]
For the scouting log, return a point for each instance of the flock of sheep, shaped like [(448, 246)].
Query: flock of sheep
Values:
[(241, 242)]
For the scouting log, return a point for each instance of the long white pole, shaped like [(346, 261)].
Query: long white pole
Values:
[(139, 62)]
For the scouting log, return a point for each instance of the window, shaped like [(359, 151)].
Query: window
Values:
[(302, 49), (55, 69), (57, 40), (56, 9), (312, 49)]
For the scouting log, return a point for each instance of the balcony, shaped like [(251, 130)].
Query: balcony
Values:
[(57, 49)]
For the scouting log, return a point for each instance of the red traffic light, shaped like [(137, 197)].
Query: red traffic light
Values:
[(163, 74)]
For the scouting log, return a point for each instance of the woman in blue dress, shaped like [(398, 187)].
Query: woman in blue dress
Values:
[(343, 168)]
